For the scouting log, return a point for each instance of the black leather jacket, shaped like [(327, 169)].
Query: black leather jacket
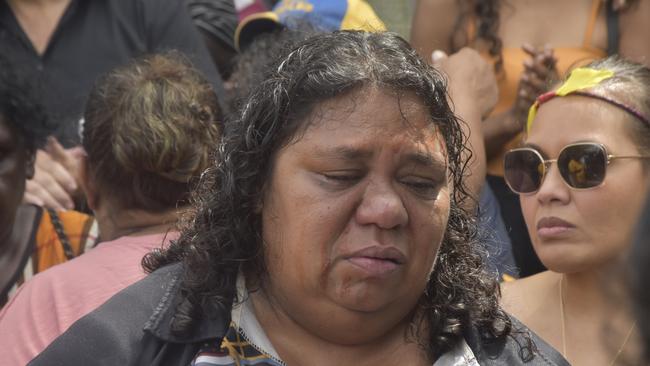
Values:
[(133, 328)]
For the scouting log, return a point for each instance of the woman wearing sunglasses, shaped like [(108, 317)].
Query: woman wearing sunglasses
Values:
[(582, 176)]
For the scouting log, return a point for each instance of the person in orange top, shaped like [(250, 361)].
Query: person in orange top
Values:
[(517, 36)]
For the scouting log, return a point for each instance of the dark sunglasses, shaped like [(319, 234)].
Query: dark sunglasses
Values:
[(582, 166)]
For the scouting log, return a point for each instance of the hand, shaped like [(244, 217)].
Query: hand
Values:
[(469, 75), (540, 72), (56, 177)]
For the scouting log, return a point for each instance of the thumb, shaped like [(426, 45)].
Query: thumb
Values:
[(437, 56), (56, 150), (76, 152)]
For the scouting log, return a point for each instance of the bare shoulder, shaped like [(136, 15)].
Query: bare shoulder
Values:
[(634, 28), (522, 298), (433, 24)]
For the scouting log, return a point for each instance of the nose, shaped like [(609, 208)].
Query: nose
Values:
[(382, 206), (553, 188)]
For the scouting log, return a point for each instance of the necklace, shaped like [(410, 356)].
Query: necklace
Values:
[(564, 351)]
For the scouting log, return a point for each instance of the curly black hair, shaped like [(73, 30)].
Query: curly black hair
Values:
[(223, 235), (250, 64), (18, 107)]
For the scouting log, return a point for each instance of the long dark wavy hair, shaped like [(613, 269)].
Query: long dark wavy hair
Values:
[(223, 235), (487, 17)]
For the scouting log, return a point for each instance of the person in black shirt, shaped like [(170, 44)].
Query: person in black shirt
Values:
[(217, 21), (68, 44)]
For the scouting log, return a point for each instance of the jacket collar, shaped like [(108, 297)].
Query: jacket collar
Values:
[(212, 325)]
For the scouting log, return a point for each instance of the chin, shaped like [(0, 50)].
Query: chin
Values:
[(366, 298), (569, 263)]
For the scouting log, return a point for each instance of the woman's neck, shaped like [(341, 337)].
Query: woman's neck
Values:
[(39, 19), (297, 345), (115, 223), (593, 290), (583, 290), (593, 304)]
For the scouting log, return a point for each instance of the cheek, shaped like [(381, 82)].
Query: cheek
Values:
[(300, 228), (12, 180), (529, 209), (613, 214), (428, 227)]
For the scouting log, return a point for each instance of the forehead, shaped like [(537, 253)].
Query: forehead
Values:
[(371, 111), (565, 120)]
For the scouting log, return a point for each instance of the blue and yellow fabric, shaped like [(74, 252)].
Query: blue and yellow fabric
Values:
[(322, 15)]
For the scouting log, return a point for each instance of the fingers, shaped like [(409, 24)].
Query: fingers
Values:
[(526, 98), (529, 49), (70, 159), (542, 62), (51, 169), (534, 83), (55, 149), (537, 67), (32, 198), (52, 185), (52, 197)]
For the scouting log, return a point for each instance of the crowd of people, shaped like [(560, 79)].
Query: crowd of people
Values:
[(288, 182)]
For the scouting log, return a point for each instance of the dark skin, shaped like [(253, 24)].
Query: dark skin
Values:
[(16, 221)]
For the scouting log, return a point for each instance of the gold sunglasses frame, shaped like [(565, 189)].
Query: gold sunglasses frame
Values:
[(547, 164)]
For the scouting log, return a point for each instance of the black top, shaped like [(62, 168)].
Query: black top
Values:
[(133, 328), (92, 38)]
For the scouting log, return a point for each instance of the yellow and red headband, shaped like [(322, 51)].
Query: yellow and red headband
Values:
[(580, 79)]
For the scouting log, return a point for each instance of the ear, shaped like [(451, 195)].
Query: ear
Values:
[(87, 183), (30, 161)]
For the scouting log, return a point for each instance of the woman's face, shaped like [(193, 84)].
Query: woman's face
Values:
[(596, 222), (355, 212), (14, 168)]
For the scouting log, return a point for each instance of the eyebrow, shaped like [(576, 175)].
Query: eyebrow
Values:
[(350, 153), (344, 152), (419, 158), (532, 146)]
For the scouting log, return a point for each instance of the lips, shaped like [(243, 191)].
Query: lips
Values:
[(377, 260), (553, 227)]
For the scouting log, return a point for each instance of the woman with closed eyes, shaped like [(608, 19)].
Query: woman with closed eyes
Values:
[(329, 231), (582, 176)]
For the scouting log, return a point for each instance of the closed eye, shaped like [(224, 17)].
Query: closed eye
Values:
[(341, 179), (424, 187)]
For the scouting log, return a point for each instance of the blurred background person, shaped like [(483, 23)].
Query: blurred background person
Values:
[(32, 239), (67, 44), (639, 273), (532, 44), (582, 176), (217, 21), (149, 133)]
